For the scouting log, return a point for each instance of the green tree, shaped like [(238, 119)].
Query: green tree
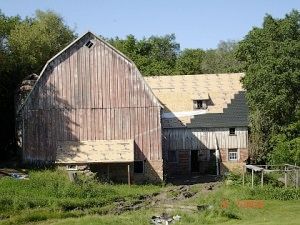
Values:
[(26, 45), (189, 61), (155, 55), (222, 59), (36, 40), (272, 62)]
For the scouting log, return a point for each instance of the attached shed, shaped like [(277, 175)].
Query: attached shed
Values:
[(90, 99), (205, 122)]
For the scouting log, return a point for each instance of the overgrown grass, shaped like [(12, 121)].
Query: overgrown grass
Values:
[(274, 212), (48, 197), (50, 194)]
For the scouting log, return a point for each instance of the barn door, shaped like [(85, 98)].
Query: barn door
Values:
[(194, 161)]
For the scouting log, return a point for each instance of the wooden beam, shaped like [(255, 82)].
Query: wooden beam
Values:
[(244, 175), (108, 177), (128, 174)]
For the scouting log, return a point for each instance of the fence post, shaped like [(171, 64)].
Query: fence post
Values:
[(252, 180), (285, 177), (262, 178), (243, 175), (297, 178)]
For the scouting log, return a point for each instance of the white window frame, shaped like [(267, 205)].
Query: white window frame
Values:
[(234, 131), (203, 105), (71, 167), (232, 151)]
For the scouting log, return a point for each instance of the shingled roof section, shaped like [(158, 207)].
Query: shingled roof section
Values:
[(235, 115), (226, 100)]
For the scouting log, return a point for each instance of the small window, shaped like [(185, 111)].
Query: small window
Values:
[(200, 104), (72, 167), (172, 156), (232, 131), (138, 167), (89, 44), (232, 154)]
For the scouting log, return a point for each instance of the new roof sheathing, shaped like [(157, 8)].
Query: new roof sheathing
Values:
[(100, 151), (177, 93)]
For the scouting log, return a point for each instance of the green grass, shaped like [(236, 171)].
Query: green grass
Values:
[(48, 197), (275, 212), (49, 194)]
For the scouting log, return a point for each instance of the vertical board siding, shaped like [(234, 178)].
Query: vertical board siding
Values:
[(195, 139), (90, 94)]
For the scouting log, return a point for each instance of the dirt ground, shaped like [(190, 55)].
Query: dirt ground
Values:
[(174, 197)]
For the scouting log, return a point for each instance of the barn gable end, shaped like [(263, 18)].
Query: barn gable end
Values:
[(88, 92)]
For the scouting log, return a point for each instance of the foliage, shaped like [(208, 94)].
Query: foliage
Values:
[(222, 59), (161, 55), (285, 150), (25, 46), (155, 55), (36, 40), (272, 61), (189, 61)]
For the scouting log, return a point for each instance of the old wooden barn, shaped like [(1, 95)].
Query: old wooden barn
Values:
[(90, 105), (205, 122)]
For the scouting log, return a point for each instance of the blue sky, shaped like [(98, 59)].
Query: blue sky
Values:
[(196, 24)]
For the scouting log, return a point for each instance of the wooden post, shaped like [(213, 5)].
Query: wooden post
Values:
[(128, 174), (252, 180), (297, 178), (243, 175), (108, 177), (285, 177), (262, 178)]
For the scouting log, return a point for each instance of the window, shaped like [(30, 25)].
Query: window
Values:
[(71, 167), (232, 131), (138, 167), (232, 154), (200, 104), (89, 44), (172, 156)]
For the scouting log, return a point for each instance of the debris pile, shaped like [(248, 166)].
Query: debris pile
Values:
[(20, 175), (164, 219)]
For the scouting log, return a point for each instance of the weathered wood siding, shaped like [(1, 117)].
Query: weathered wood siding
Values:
[(197, 139), (90, 94)]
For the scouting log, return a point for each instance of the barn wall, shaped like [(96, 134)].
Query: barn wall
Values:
[(204, 138), (91, 94), (183, 141)]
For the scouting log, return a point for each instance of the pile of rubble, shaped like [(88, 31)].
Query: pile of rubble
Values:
[(164, 219)]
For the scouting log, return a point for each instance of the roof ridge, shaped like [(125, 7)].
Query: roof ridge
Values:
[(149, 90), (192, 75)]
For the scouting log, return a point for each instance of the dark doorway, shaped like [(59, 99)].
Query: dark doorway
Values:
[(194, 161)]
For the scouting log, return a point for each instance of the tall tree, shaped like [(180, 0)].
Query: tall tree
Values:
[(272, 61), (26, 45), (155, 55), (222, 59), (189, 61)]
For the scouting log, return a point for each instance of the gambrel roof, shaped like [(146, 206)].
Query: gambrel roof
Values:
[(68, 49), (223, 93)]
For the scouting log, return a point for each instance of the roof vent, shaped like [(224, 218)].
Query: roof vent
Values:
[(89, 44)]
